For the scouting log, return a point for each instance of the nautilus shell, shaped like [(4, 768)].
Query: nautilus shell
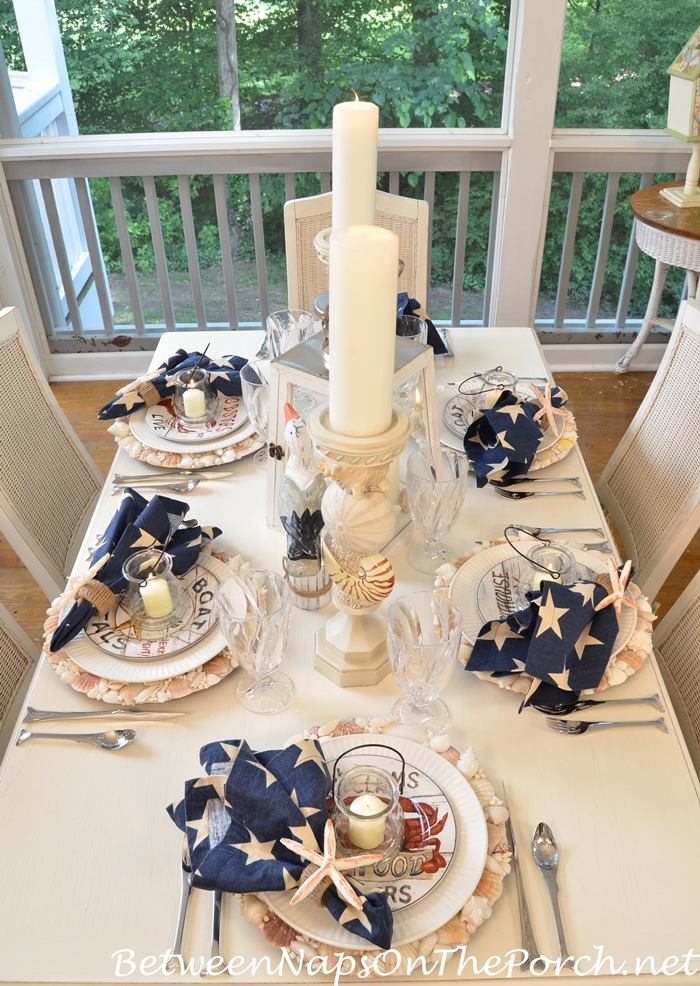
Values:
[(372, 582), (364, 525)]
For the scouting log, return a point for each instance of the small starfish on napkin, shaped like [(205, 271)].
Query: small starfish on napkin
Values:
[(329, 866), (619, 585), (547, 409)]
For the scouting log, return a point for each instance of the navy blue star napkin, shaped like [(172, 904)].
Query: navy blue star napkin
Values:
[(409, 306), (224, 377), (236, 815), (561, 641), (138, 523), (501, 441)]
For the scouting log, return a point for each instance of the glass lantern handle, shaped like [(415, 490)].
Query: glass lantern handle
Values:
[(382, 746)]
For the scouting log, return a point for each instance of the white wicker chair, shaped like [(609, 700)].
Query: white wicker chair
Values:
[(307, 277), (651, 485), (18, 658), (48, 482), (677, 649)]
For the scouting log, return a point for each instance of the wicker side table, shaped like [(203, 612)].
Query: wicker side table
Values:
[(671, 237)]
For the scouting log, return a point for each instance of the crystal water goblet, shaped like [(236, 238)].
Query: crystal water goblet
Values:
[(437, 484), (423, 636), (255, 386), (410, 327), (286, 329), (255, 611)]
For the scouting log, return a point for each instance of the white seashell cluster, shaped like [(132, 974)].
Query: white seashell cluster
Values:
[(157, 457)]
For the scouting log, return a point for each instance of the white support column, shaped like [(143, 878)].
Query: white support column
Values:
[(43, 53), (532, 76)]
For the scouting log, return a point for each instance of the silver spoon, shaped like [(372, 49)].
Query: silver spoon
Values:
[(521, 495), (545, 853), (185, 890), (115, 739)]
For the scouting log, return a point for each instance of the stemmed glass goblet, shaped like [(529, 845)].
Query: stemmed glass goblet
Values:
[(423, 637), (255, 611), (437, 484), (286, 329), (255, 385)]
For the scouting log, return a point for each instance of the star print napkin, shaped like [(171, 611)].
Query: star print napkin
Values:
[(236, 815), (138, 523), (224, 377), (560, 641), (409, 306)]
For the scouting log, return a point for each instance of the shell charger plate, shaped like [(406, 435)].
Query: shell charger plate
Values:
[(421, 901)]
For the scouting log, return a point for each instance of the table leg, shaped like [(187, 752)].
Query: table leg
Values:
[(660, 272)]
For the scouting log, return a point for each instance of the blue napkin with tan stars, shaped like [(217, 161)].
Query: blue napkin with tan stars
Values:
[(224, 377), (560, 641), (501, 442), (236, 816), (137, 524)]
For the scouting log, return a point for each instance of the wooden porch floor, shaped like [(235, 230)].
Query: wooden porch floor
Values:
[(604, 405)]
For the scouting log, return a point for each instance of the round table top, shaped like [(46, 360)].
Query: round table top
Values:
[(650, 208)]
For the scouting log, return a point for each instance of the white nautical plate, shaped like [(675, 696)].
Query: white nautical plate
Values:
[(420, 904), (162, 421), (91, 658), (483, 588), (140, 430), (456, 411)]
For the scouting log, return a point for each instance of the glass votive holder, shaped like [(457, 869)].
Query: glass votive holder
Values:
[(548, 562), (154, 599), (367, 814), (194, 400), (484, 389)]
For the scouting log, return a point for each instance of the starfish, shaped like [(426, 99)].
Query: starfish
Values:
[(547, 409), (619, 585), (328, 865)]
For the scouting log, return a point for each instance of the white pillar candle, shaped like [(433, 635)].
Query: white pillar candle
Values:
[(156, 597), (367, 833), (362, 329), (355, 132), (194, 402)]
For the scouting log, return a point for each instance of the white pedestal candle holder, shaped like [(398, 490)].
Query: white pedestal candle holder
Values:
[(359, 522)]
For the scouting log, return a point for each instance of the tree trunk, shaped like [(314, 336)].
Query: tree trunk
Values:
[(310, 39), (227, 57)]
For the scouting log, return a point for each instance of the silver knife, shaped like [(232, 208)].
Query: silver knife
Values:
[(39, 715), (167, 477), (529, 944)]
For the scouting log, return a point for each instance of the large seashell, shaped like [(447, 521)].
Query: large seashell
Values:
[(496, 836), (497, 814), (451, 755), (615, 676), (426, 945), (217, 665), (173, 459), (483, 789), (364, 525), (407, 731), (440, 744), (468, 765), (475, 912), (489, 886), (631, 659), (453, 933), (179, 687), (253, 909), (346, 727), (277, 931), (85, 682), (373, 582)]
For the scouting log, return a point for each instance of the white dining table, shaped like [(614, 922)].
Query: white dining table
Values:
[(91, 861)]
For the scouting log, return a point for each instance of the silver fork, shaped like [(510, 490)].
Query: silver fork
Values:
[(173, 487), (185, 890), (523, 495), (573, 727), (561, 530), (536, 479), (589, 703)]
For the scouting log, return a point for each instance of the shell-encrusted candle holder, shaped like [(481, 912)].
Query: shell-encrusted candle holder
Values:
[(359, 521)]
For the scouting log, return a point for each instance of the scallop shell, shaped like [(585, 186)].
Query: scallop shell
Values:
[(631, 659), (179, 687), (483, 789), (85, 682), (358, 525), (497, 814), (277, 931), (451, 755), (128, 692), (217, 665), (171, 460), (496, 836), (489, 886), (51, 623), (453, 933), (373, 582), (346, 727)]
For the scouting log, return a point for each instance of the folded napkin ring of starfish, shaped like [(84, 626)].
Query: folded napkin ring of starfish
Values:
[(329, 867)]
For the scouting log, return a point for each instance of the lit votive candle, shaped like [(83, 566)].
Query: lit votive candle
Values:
[(156, 597), (194, 402), (367, 832), (539, 577)]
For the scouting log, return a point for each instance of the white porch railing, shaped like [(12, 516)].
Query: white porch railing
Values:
[(294, 152)]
